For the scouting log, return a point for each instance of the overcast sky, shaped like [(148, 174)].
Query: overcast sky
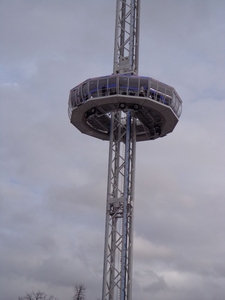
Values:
[(53, 179)]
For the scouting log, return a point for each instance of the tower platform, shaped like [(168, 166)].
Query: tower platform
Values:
[(156, 107)]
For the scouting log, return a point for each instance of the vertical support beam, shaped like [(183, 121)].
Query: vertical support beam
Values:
[(124, 266), (131, 207), (118, 254), (126, 46), (117, 274)]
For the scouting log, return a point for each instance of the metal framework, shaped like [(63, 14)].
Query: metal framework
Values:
[(127, 37), (117, 276), (123, 108), (117, 271)]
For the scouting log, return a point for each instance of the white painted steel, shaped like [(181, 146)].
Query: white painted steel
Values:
[(123, 108), (117, 276), (91, 102), (126, 44), (118, 253)]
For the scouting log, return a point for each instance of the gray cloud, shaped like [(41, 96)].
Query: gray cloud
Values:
[(53, 178)]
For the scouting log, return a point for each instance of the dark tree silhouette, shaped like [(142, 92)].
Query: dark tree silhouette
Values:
[(37, 296), (79, 292)]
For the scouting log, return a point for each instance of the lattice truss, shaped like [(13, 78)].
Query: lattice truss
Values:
[(119, 214), (126, 37)]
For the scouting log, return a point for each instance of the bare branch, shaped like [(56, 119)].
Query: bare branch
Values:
[(79, 292), (37, 296)]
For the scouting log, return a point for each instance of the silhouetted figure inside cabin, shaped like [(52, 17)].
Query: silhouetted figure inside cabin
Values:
[(112, 91), (142, 92), (152, 95)]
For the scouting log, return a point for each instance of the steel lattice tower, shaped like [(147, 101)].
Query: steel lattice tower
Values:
[(123, 108)]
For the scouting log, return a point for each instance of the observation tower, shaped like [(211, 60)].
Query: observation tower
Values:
[(123, 108)]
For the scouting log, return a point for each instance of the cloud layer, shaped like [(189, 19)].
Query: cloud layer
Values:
[(53, 178)]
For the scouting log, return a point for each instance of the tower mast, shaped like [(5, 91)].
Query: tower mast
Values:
[(126, 44), (123, 108), (117, 274)]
